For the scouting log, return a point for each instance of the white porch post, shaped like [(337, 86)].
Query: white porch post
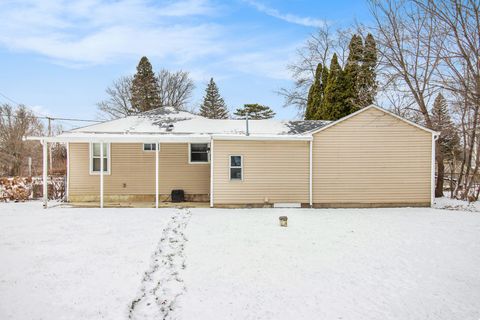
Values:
[(45, 169), (157, 145), (310, 186), (101, 174), (67, 185), (211, 173)]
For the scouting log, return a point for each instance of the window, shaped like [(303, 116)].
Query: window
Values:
[(149, 146), (95, 158), (199, 153), (236, 168)]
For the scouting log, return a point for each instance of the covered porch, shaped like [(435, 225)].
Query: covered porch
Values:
[(161, 158)]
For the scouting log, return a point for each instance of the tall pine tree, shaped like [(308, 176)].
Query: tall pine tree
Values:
[(316, 92), (336, 100), (367, 82), (213, 106), (255, 112), (353, 71), (447, 142), (341, 92), (145, 93)]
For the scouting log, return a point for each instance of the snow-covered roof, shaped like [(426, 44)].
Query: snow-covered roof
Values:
[(172, 122)]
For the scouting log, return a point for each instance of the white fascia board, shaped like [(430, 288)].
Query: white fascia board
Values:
[(378, 108), (264, 137), (124, 138)]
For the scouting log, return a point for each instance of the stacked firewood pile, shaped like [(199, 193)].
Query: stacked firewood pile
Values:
[(26, 188), (16, 188)]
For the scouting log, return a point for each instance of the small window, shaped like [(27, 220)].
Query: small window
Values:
[(95, 158), (149, 146), (236, 168), (199, 153)]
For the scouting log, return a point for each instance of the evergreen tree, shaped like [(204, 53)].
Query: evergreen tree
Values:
[(448, 140), (353, 70), (367, 83), (255, 112), (315, 94), (325, 74), (145, 93), (213, 106), (336, 101)]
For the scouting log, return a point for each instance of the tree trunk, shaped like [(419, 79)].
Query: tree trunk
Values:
[(440, 171), (452, 166)]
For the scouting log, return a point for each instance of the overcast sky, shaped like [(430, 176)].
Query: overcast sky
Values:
[(59, 56)]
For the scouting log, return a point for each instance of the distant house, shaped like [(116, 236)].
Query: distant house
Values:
[(370, 158)]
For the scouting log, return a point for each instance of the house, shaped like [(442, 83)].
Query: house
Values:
[(370, 158)]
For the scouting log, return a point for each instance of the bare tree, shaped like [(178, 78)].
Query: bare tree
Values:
[(459, 21), (176, 88), (59, 154), (118, 104), (408, 40), (15, 123), (319, 48), (410, 53)]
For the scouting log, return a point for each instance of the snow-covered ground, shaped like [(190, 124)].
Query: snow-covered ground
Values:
[(332, 264), (454, 204), (66, 263)]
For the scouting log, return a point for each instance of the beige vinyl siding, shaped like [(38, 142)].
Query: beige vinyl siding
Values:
[(372, 158), (273, 170), (135, 168)]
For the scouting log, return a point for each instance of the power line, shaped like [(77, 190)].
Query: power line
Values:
[(44, 116), (54, 118), (17, 103), (9, 99)]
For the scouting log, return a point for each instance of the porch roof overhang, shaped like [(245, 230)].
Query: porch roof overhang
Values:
[(161, 138), (123, 138)]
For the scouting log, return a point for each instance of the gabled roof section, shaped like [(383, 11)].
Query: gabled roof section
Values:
[(168, 121), (331, 124)]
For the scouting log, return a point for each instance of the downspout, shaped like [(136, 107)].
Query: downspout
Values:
[(432, 182), (211, 172), (157, 147), (101, 174), (310, 187)]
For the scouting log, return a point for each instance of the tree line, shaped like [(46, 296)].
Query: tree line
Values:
[(146, 90), (336, 91), (16, 122)]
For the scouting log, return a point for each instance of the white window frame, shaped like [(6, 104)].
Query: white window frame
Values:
[(90, 160), (143, 147), (190, 153), (230, 167)]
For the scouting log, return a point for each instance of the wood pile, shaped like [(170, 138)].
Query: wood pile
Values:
[(26, 188)]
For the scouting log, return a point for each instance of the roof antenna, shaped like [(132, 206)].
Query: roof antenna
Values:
[(246, 122)]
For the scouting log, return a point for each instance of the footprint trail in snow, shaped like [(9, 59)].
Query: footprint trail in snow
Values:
[(162, 283)]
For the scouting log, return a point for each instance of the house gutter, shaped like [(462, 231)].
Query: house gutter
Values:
[(263, 137), (127, 138), (98, 138)]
